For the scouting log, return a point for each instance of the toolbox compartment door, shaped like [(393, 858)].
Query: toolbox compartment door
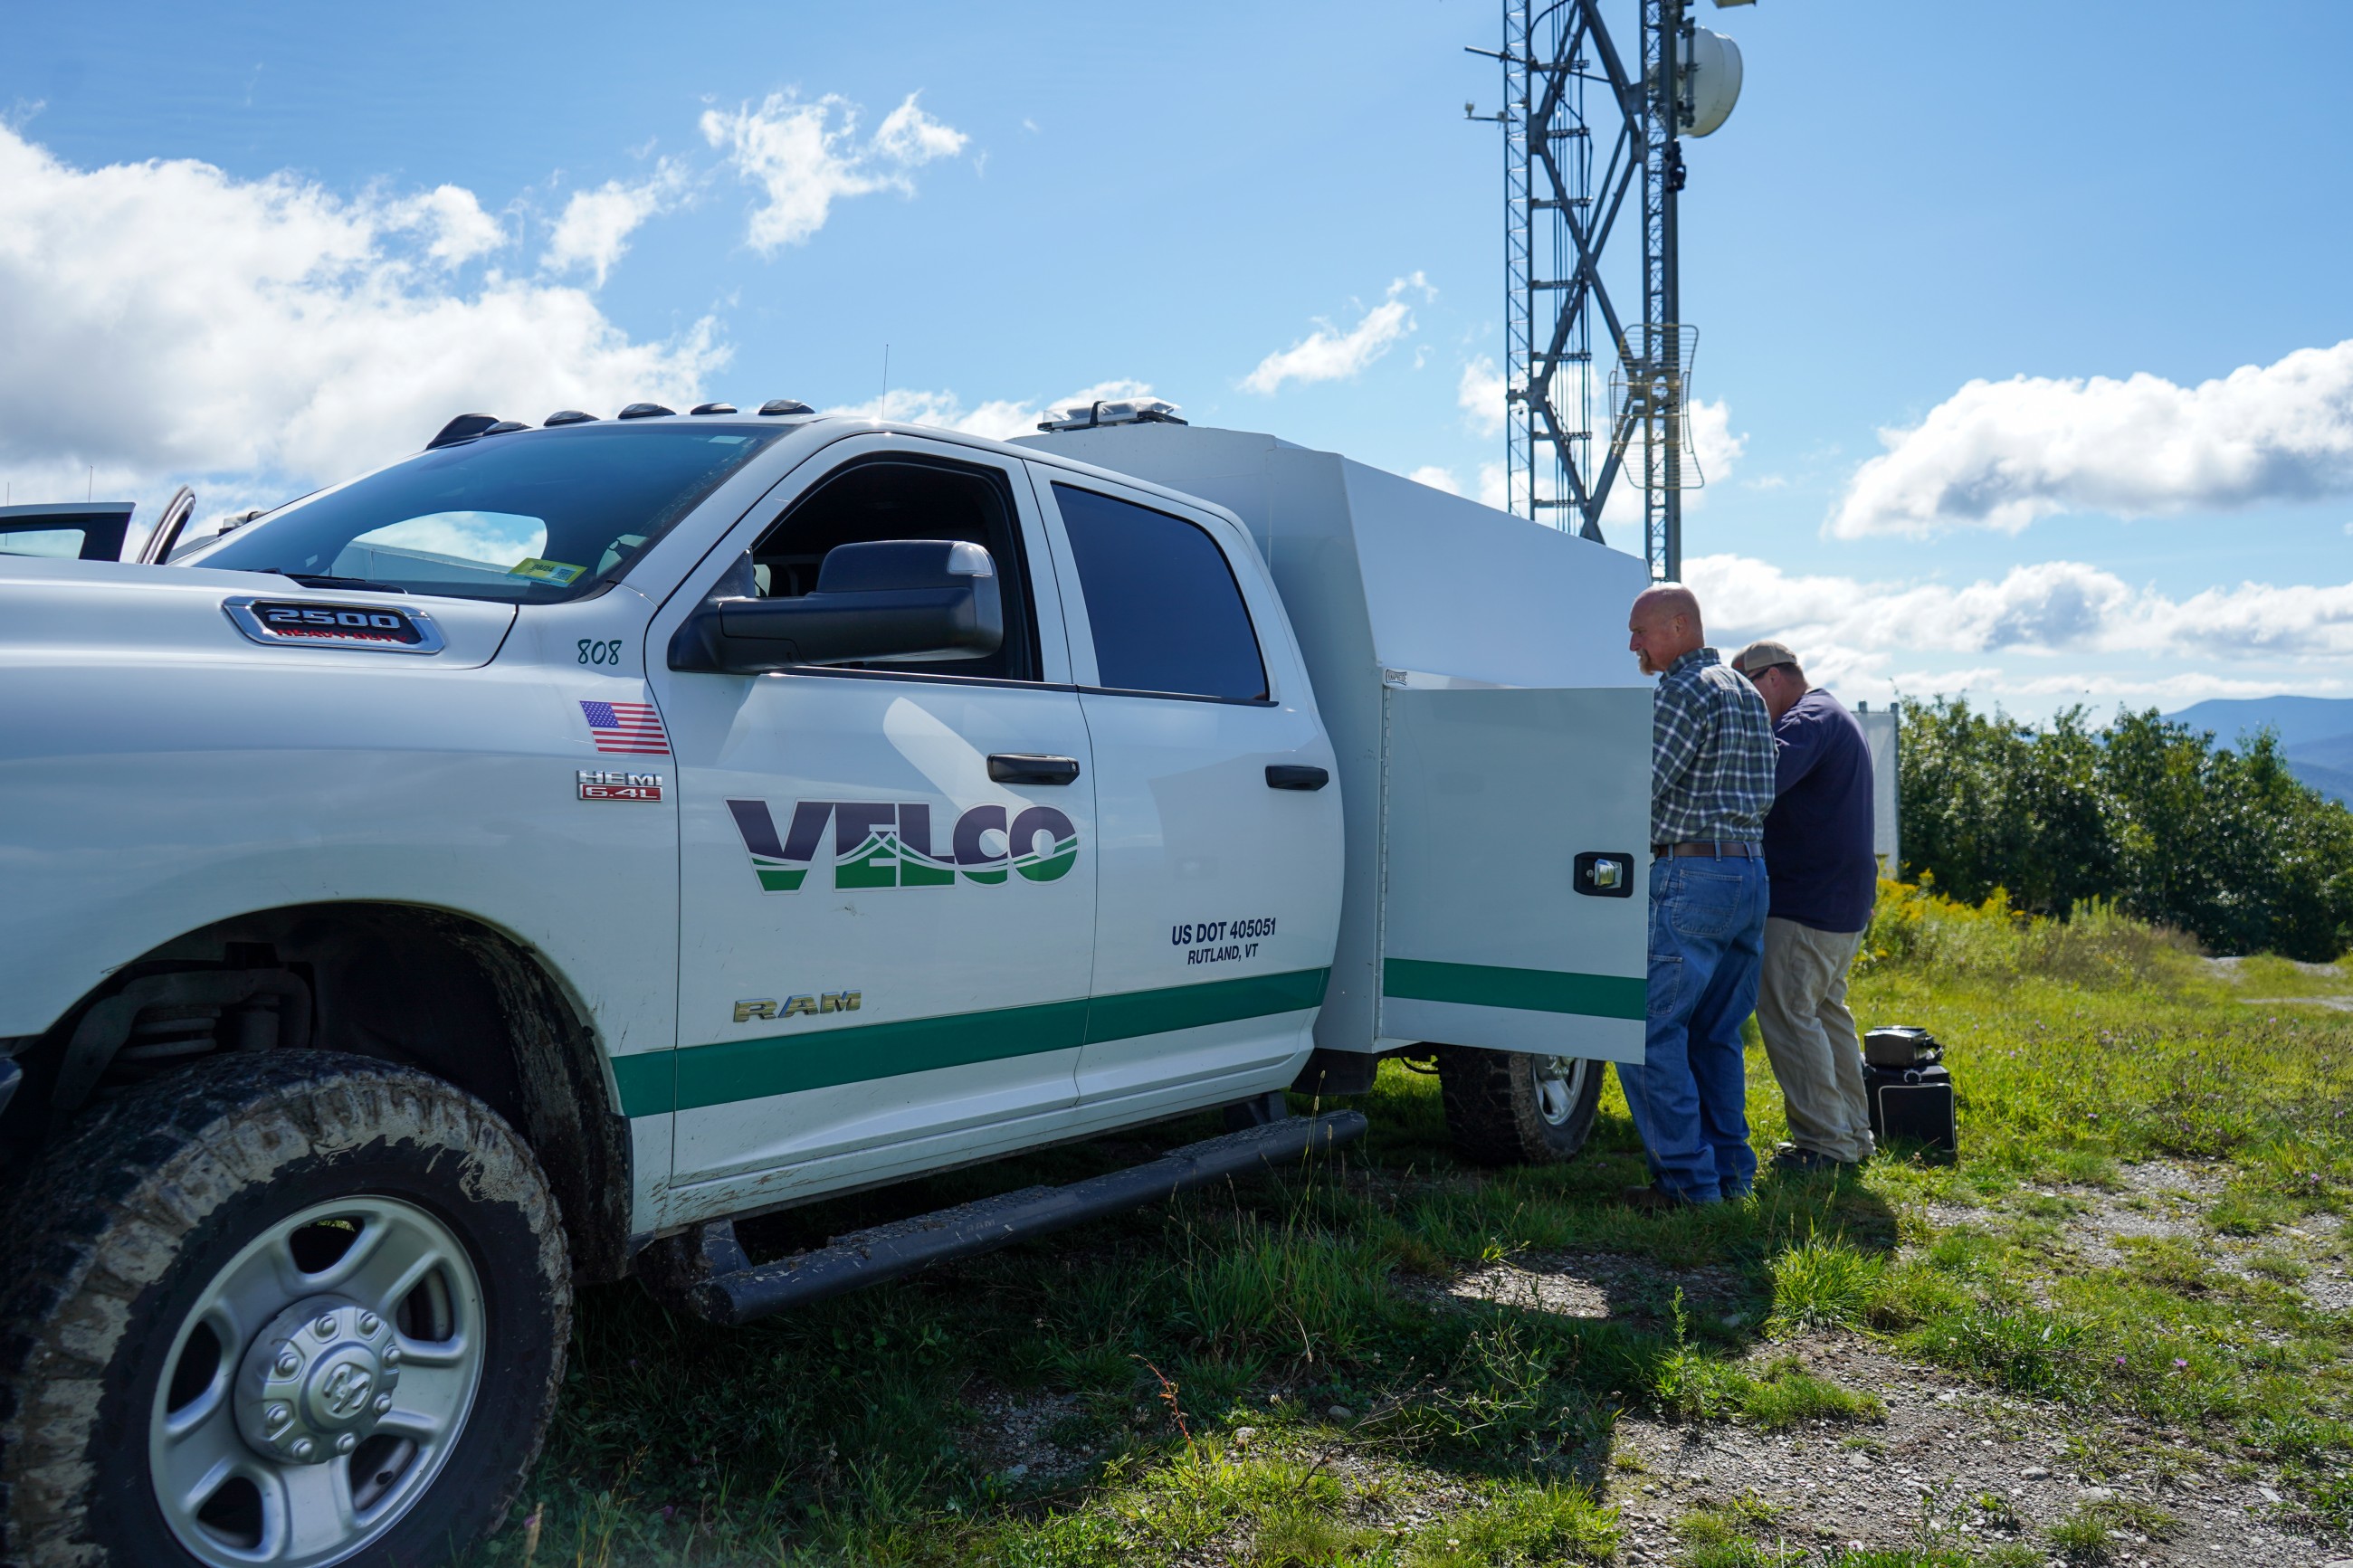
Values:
[(1487, 938)]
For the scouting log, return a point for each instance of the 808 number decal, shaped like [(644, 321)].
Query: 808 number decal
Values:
[(600, 650)]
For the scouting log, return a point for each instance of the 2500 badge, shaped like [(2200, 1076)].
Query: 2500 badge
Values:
[(284, 622)]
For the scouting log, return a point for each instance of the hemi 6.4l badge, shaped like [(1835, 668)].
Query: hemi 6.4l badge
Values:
[(605, 784)]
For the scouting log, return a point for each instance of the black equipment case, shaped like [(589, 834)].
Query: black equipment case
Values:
[(1909, 1091)]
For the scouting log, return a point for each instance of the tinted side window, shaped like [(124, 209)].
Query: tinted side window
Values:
[(899, 497), (1166, 613)]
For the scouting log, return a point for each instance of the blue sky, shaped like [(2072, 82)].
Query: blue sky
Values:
[(259, 247)]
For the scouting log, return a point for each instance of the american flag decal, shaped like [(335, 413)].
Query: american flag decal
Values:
[(627, 727)]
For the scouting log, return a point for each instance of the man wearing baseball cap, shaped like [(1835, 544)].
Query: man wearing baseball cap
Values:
[(1824, 874)]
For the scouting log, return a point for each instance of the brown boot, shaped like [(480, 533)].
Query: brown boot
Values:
[(1656, 1199)]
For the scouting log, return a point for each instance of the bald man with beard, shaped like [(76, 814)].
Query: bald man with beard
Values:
[(1711, 785)]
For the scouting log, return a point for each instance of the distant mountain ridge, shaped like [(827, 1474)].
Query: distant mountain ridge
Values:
[(2315, 733)]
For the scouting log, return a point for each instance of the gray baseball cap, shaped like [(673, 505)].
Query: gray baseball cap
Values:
[(1764, 654)]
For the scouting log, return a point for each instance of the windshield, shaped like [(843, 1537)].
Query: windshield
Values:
[(529, 517)]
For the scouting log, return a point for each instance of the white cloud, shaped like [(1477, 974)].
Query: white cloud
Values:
[(1493, 486), (167, 319), (594, 231), (999, 420), (805, 156), (2046, 609), (459, 228), (1330, 355), (1436, 479), (1712, 441), (911, 137), (1999, 455), (1480, 393), (501, 537)]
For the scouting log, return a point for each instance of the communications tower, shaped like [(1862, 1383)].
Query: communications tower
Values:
[(1591, 394)]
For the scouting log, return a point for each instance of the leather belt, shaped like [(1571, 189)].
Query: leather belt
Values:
[(1725, 850)]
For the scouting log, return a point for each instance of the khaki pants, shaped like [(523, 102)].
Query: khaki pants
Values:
[(1811, 1037)]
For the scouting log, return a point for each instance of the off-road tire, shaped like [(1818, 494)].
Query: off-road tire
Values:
[(137, 1210), (1494, 1108)]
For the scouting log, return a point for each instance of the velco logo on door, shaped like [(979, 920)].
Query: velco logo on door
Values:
[(888, 844)]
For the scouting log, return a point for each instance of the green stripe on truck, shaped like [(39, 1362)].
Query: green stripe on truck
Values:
[(725, 1071), (1130, 1013), (1527, 990)]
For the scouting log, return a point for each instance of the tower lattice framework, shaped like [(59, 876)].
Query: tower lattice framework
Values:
[(1588, 393)]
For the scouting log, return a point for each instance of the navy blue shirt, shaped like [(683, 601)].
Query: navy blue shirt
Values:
[(1818, 838)]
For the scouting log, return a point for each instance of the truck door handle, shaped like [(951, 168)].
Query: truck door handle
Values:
[(1604, 874), (1295, 775), (1030, 768)]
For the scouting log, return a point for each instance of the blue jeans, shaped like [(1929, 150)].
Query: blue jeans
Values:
[(1689, 1098)]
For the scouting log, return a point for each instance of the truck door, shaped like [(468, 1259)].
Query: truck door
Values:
[(887, 881), (1218, 871)]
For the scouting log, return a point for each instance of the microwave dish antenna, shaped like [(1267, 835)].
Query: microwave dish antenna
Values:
[(1710, 72)]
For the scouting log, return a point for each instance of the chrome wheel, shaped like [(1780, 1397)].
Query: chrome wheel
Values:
[(317, 1385), (1559, 1081)]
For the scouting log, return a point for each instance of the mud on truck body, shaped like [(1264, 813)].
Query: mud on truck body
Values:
[(501, 873)]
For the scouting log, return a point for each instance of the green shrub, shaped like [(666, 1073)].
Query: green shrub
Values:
[(2226, 845), (2082, 1537), (1823, 1282), (1787, 1395), (1918, 927)]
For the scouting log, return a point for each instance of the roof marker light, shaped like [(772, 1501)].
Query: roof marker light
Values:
[(464, 427), (713, 408), (786, 405), (569, 416), (1116, 411), (645, 411), (504, 426)]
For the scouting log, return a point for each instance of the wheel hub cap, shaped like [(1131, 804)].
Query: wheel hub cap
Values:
[(316, 1381), (1558, 1081)]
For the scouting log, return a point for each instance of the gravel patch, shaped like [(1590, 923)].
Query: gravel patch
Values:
[(2166, 1200), (1926, 1474), (2319, 1241), (2227, 969), (1598, 1284), (1008, 1435), (2158, 1200)]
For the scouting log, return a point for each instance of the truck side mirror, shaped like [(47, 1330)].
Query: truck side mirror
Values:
[(900, 601)]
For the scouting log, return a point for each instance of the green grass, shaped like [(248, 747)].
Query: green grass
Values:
[(860, 1430)]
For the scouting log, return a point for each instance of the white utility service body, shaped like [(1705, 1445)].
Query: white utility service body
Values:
[(1491, 727)]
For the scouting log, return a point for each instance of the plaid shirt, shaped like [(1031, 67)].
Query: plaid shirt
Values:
[(1712, 754)]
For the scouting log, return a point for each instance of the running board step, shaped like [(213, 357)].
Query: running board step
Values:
[(706, 1273)]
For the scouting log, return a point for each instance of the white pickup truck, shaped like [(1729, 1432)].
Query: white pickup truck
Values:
[(504, 870)]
